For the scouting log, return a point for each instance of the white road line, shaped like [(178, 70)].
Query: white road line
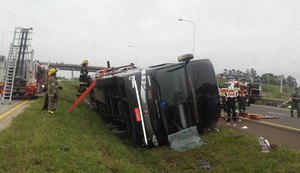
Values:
[(285, 109), (278, 114)]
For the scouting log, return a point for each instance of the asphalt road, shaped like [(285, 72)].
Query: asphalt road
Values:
[(284, 115), (5, 107), (283, 131), (8, 111), (279, 136)]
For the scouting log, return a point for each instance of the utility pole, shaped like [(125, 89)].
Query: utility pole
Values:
[(281, 84)]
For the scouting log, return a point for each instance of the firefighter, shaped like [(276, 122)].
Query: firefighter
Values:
[(223, 104), (295, 103), (230, 99), (84, 78), (242, 99), (52, 90)]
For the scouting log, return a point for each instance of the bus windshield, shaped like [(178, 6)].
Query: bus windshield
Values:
[(173, 85)]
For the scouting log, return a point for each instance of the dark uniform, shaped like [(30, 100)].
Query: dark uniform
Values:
[(83, 79), (230, 98), (242, 99), (52, 93), (295, 103)]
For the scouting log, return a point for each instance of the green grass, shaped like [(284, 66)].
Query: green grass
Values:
[(273, 92), (79, 142)]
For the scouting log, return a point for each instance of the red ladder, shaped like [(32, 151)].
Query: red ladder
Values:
[(86, 92)]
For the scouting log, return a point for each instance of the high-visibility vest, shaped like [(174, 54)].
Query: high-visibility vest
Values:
[(243, 92), (231, 94)]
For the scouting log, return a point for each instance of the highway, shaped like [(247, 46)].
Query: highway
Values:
[(284, 131), (8, 111), (284, 117)]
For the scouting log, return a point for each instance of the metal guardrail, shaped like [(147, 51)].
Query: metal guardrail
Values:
[(274, 102), (277, 100)]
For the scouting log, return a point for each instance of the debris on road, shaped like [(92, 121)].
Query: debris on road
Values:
[(273, 146), (269, 117), (258, 117), (205, 165), (244, 127), (185, 139), (265, 145)]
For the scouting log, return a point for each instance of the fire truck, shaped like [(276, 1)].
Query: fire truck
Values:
[(20, 74), (151, 104)]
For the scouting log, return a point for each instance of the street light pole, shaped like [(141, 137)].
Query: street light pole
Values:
[(281, 81), (2, 40), (137, 54), (295, 86), (194, 32)]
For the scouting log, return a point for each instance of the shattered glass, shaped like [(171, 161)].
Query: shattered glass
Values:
[(185, 139)]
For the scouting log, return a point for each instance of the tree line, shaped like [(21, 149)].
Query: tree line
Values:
[(250, 75)]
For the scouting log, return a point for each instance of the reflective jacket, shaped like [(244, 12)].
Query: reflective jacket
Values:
[(231, 94), (52, 86), (243, 92)]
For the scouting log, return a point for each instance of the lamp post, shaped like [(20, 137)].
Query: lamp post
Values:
[(295, 86), (2, 40), (281, 81), (194, 32), (137, 54)]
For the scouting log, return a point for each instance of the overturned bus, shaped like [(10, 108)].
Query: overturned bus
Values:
[(151, 104)]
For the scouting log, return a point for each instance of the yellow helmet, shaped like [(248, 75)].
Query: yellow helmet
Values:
[(84, 62), (52, 70)]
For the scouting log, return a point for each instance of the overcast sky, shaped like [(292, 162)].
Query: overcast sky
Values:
[(240, 34)]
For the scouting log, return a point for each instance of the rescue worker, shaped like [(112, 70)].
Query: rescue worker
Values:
[(230, 99), (223, 104), (242, 99), (52, 90), (83, 78), (295, 103)]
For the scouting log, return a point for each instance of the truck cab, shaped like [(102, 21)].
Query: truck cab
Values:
[(254, 92)]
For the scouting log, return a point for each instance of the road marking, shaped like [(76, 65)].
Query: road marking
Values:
[(12, 110), (278, 114), (271, 107), (273, 124)]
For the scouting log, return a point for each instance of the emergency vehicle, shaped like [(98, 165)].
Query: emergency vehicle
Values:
[(254, 92), (235, 85), (20, 74)]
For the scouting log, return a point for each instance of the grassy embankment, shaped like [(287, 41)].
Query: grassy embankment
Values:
[(273, 92), (79, 142)]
